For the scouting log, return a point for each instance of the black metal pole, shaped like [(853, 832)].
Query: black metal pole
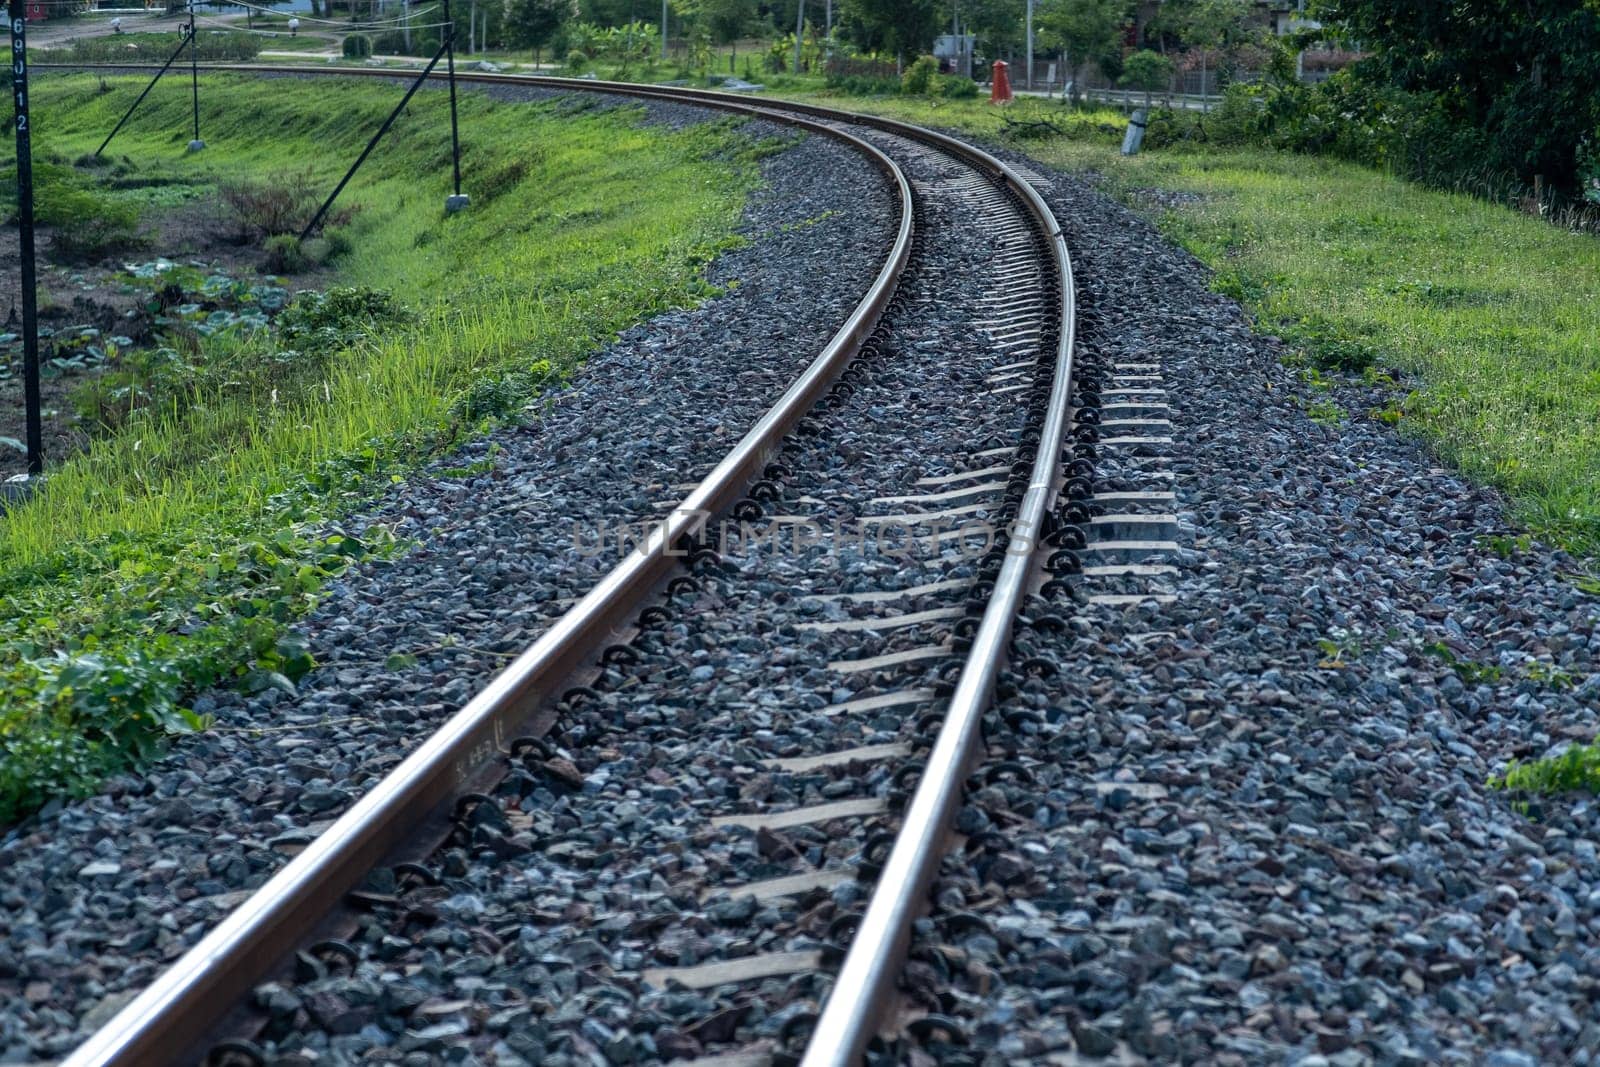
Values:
[(450, 52), (129, 113), (367, 151), (194, 80), (30, 307)]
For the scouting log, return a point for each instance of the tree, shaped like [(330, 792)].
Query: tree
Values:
[(1208, 26), (1521, 80), (1146, 70), (997, 24), (895, 26), (531, 23), (726, 21), (1082, 30)]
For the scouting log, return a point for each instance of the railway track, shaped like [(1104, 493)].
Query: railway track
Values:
[(863, 550)]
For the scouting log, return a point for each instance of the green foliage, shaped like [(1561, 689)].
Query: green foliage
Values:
[(1470, 671), (83, 716), (726, 20), (956, 87), (534, 23), (283, 202), (1578, 768), (631, 41), (284, 254), (778, 56), (1514, 82), (1325, 413), (500, 396), (87, 222), (862, 85), (919, 77), (357, 46), (108, 697), (326, 322), (577, 61), (895, 27), (1086, 30), (1146, 70), (193, 530), (214, 46)]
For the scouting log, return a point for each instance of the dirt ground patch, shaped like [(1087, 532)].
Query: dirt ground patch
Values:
[(84, 306)]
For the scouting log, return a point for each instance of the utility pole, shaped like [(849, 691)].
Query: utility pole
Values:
[(1027, 80), (30, 307), (663, 31), (455, 203), (194, 80)]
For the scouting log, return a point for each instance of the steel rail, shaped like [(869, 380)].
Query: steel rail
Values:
[(169, 1018), (860, 994), (862, 990)]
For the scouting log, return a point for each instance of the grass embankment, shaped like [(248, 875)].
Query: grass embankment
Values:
[(1497, 314), (171, 554)]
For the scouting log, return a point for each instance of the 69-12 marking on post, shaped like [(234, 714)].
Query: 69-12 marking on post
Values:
[(30, 311)]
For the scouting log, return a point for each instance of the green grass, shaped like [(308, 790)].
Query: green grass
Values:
[(1496, 314), (173, 553)]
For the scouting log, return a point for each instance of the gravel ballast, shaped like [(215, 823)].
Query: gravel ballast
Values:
[(100, 894), (600, 861), (1255, 826)]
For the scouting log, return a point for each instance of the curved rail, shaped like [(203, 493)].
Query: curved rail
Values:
[(187, 998), (164, 1021), (858, 997)]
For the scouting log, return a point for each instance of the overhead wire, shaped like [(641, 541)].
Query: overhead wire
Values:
[(279, 32)]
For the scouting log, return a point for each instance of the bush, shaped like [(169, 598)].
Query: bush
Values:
[(918, 80), (357, 46), (863, 84), (956, 87), (284, 255), (85, 222), (424, 42), (282, 204), (577, 61), (776, 61), (338, 318), (156, 47), (91, 714), (499, 397)]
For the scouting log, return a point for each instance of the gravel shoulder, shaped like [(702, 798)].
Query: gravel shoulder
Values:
[(100, 894), (1256, 827)]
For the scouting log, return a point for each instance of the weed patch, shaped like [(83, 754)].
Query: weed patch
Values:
[(1578, 768)]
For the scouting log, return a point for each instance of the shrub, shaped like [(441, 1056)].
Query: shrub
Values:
[(357, 46), (918, 79), (156, 47), (285, 202), (863, 84), (956, 87), (577, 61), (90, 714), (776, 61), (501, 396), (85, 222), (339, 317), (284, 254)]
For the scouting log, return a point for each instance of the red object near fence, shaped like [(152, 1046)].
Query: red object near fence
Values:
[(1000, 87), (35, 12)]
